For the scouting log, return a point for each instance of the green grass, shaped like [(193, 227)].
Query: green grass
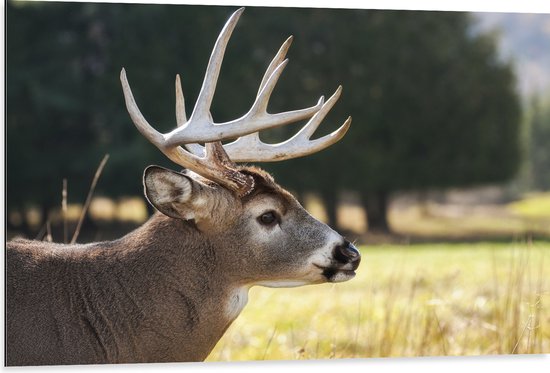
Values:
[(417, 300), (536, 205)]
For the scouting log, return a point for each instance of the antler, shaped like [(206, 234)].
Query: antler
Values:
[(214, 161)]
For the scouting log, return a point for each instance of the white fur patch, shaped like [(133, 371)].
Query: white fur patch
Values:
[(237, 300), (165, 185), (322, 257), (282, 283)]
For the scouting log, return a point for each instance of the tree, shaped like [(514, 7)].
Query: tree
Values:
[(539, 138)]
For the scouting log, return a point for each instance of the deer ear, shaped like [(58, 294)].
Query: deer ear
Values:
[(170, 192)]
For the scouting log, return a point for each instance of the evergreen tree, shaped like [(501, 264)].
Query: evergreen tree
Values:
[(539, 148)]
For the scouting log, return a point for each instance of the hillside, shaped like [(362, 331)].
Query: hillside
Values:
[(524, 39)]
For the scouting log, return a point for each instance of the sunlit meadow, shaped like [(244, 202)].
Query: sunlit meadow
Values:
[(406, 300)]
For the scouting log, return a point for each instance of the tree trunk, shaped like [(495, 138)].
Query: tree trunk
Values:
[(330, 202), (376, 206), (21, 229)]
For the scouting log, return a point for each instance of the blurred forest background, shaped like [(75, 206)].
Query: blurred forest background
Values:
[(450, 132)]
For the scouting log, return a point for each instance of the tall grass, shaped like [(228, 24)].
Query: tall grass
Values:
[(417, 300)]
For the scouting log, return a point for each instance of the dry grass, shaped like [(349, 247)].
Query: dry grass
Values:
[(534, 205), (418, 300), (527, 216), (408, 300), (465, 223)]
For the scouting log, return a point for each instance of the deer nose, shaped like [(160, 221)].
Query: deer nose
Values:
[(347, 253)]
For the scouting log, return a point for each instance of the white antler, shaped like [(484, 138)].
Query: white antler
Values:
[(250, 148), (212, 161)]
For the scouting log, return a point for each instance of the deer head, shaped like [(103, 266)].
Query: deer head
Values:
[(265, 235)]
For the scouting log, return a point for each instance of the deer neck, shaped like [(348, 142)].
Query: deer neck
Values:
[(190, 299)]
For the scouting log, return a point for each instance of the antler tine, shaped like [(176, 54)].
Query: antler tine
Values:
[(250, 148), (181, 117), (277, 60), (204, 101), (286, 117), (139, 120), (254, 150), (307, 131)]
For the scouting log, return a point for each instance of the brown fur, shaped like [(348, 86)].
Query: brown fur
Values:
[(114, 302)]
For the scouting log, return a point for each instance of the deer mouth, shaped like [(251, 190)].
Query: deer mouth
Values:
[(335, 274)]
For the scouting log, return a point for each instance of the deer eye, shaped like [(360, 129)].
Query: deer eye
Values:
[(268, 218)]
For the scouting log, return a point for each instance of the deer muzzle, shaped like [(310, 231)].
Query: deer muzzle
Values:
[(345, 261)]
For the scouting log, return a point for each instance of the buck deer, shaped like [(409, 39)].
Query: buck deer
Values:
[(167, 291)]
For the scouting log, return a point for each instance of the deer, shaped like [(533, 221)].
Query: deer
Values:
[(168, 291)]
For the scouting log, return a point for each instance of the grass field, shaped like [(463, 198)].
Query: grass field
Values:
[(414, 300), (407, 300)]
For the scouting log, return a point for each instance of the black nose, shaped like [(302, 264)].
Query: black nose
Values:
[(346, 253)]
